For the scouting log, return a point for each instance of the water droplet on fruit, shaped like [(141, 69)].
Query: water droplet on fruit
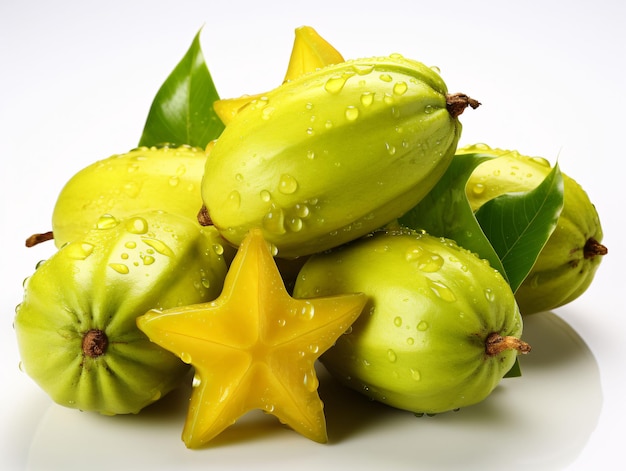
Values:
[(400, 88), (422, 326), (352, 113), (386, 77), (107, 221), (196, 381), (442, 291), (311, 382), (415, 374), (159, 246), (397, 321), (489, 295), (367, 99), (121, 268), (137, 225), (148, 259), (335, 84), (391, 355), (274, 221), (79, 250), (186, 357), (287, 184)]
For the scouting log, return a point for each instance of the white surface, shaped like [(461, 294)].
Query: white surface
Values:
[(77, 80)]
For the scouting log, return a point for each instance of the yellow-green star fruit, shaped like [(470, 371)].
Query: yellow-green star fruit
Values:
[(143, 179), (568, 262), (441, 327), (76, 328), (332, 154)]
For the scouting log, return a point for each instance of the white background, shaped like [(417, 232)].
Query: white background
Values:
[(76, 82)]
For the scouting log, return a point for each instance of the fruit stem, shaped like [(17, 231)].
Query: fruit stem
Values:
[(593, 248), (95, 343), (496, 344), (39, 238), (203, 217), (457, 102)]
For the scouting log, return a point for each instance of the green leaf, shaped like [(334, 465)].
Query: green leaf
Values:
[(446, 212), (519, 224), (515, 371), (182, 110)]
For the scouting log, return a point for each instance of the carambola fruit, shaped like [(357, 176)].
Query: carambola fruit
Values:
[(440, 331), (146, 178), (332, 154), (76, 327), (568, 262)]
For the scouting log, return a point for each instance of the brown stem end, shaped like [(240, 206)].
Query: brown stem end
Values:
[(496, 344), (95, 343), (203, 217), (593, 248), (457, 102), (39, 238)]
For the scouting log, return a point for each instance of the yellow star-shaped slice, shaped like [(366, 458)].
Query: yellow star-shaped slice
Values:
[(254, 347)]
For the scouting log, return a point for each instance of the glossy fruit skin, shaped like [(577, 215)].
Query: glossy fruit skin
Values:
[(568, 262), (331, 155), (419, 344), (100, 284), (143, 179)]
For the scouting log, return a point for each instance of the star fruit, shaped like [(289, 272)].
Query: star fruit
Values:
[(572, 255), (441, 327), (75, 326), (331, 154), (254, 347)]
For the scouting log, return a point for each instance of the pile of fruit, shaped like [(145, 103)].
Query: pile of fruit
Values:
[(333, 218)]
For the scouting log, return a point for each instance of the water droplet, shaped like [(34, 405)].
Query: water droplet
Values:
[(410, 341), (314, 348), (364, 69), (310, 154), (267, 112), (328, 124), (274, 221), (428, 109), (352, 113), (397, 321), (386, 77), (478, 189), (311, 382), (159, 246), (234, 199), (335, 84), (186, 357), (156, 396), (79, 250), (400, 88), (197, 381), (107, 221), (301, 210), (415, 374), (287, 184), (147, 259), (367, 98), (218, 249), (130, 244), (295, 224), (282, 322), (391, 355), (310, 131), (269, 408), (120, 268), (308, 310), (174, 181), (124, 256), (391, 149), (422, 326), (489, 295), (436, 69), (265, 196), (137, 225), (239, 177), (442, 291)]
